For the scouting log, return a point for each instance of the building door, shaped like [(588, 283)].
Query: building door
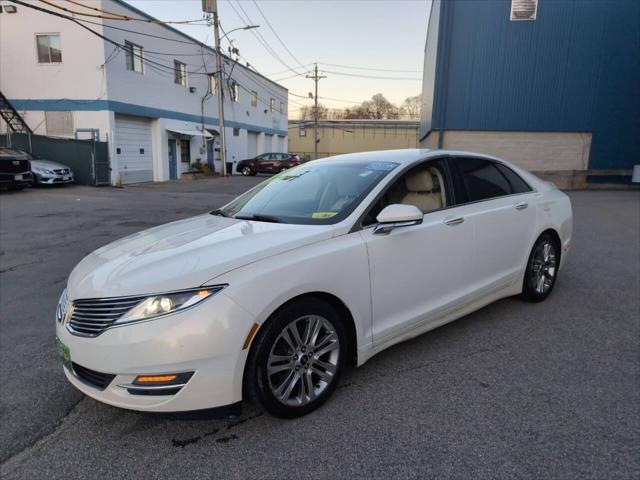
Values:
[(252, 144), (133, 149), (173, 160)]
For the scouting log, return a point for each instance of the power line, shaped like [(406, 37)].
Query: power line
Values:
[(372, 76), (285, 71), (111, 15), (278, 36), (160, 68), (348, 67), (259, 36)]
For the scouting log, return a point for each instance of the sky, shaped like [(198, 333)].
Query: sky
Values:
[(355, 36)]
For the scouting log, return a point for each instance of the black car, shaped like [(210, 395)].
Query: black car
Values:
[(15, 169)]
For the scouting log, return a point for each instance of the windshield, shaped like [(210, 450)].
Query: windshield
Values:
[(315, 193)]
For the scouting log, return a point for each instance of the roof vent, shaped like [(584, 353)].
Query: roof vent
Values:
[(523, 10)]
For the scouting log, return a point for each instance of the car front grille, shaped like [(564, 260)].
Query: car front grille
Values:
[(98, 380), (14, 166), (62, 171), (91, 317)]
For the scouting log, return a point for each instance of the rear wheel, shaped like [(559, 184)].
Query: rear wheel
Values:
[(246, 171), (296, 359), (542, 269)]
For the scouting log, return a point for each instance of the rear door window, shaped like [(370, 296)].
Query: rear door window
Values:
[(518, 185), (482, 179)]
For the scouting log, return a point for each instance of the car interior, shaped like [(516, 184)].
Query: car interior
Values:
[(423, 187)]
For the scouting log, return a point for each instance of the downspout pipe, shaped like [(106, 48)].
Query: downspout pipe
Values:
[(446, 47)]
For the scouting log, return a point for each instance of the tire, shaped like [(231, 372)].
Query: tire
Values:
[(300, 379), (542, 269), (246, 171)]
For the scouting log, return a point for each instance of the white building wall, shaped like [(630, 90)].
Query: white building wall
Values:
[(95, 90)]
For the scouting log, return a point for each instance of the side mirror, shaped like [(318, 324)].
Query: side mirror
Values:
[(397, 215)]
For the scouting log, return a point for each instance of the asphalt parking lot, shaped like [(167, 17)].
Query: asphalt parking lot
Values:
[(515, 390)]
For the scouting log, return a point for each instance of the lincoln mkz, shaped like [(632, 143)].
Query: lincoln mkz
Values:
[(320, 266)]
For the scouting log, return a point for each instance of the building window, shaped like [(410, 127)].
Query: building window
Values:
[(236, 132), (59, 124), (273, 105), (185, 151), (281, 107), (235, 92), (254, 99), (133, 54), (49, 50), (302, 130), (212, 84), (523, 10), (180, 73)]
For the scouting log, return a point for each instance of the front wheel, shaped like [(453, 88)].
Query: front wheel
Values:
[(246, 171), (542, 269), (296, 359)]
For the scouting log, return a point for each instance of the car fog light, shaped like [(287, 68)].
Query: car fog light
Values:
[(155, 378)]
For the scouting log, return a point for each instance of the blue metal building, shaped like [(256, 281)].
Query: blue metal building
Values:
[(539, 73)]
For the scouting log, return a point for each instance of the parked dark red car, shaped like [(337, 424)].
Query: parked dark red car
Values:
[(267, 163)]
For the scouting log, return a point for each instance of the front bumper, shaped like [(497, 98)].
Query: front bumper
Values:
[(11, 179), (206, 340), (47, 179)]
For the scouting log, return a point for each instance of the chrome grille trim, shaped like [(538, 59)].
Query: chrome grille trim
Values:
[(92, 316)]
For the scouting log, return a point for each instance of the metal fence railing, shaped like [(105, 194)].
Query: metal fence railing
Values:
[(88, 159)]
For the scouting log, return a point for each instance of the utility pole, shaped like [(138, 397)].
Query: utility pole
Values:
[(316, 78), (211, 6)]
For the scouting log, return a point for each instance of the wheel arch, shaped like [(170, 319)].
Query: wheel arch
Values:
[(556, 237), (338, 305)]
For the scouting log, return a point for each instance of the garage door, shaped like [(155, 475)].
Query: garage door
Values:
[(252, 144), (282, 146), (268, 143), (133, 149)]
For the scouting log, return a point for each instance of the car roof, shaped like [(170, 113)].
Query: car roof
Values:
[(403, 156)]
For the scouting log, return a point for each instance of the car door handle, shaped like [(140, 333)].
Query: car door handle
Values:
[(454, 221), (521, 205)]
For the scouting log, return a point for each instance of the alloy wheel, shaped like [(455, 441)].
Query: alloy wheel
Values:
[(303, 360), (543, 267), (246, 171)]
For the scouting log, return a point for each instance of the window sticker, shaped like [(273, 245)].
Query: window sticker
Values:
[(381, 166), (323, 215)]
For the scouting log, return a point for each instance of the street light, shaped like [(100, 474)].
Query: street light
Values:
[(248, 27)]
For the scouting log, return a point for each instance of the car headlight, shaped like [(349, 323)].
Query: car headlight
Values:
[(43, 170), (163, 304)]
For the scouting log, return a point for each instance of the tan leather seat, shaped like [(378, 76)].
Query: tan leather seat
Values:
[(419, 191)]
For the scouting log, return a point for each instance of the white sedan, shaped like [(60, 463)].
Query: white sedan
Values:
[(328, 263)]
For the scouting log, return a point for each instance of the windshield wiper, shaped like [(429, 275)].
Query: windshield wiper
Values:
[(259, 218), (220, 212)]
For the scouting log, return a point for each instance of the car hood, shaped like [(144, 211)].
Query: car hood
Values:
[(47, 164), (184, 254)]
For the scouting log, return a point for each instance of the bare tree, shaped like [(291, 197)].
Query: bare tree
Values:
[(307, 112), (376, 108), (379, 107), (411, 107)]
